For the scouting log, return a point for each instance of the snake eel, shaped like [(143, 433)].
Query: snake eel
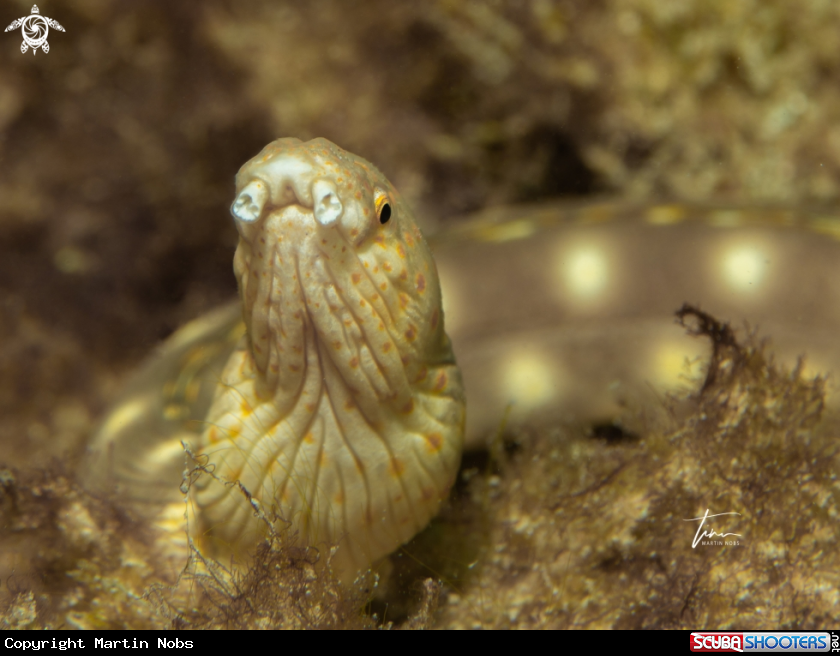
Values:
[(341, 407), (331, 393)]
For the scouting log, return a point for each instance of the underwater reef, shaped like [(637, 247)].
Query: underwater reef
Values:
[(548, 528), (117, 155)]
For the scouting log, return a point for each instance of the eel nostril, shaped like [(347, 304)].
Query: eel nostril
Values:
[(327, 204), (250, 202)]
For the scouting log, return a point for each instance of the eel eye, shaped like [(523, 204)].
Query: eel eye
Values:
[(383, 207), (385, 213)]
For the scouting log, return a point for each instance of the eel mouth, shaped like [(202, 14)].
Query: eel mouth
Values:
[(282, 263), (299, 235), (305, 289)]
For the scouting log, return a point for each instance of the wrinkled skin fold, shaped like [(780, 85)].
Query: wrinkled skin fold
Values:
[(342, 408)]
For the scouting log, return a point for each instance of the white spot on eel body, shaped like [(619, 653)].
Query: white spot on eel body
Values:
[(586, 272)]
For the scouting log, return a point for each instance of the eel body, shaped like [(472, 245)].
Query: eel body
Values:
[(556, 313)]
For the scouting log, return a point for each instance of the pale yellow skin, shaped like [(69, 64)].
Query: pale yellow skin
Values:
[(558, 313), (342, 408)]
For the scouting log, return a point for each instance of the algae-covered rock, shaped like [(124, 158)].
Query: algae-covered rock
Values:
[(590, 533), (556, 530)]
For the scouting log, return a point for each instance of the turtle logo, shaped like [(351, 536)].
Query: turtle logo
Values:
[(34, 29)]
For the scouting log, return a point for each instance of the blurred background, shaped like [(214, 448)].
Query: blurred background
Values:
[(118, 147)]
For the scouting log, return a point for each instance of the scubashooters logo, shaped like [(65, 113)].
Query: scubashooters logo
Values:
[(34, 29), (754, 641)]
